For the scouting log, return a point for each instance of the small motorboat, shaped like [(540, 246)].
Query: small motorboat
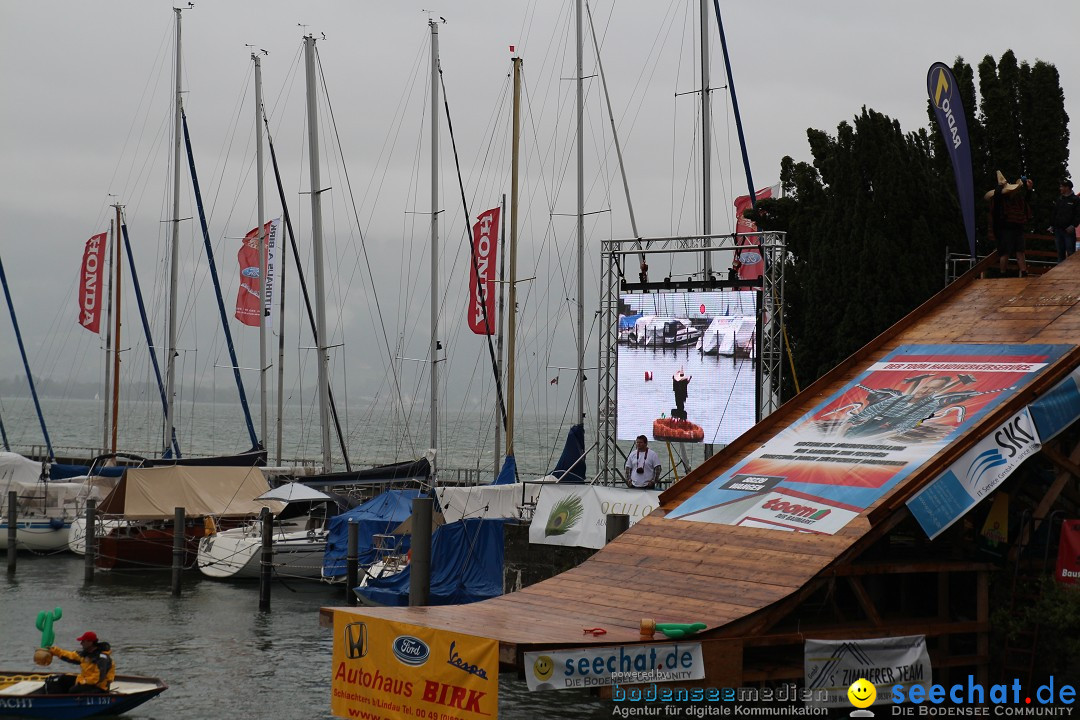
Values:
[(22, 696)]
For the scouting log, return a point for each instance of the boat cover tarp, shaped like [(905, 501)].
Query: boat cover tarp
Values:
[(486, 501), (466, 566), (508, 474), (62, 471), (155, 493), (378, 516), (16, 468), (571, 465), (626, 322), (393, 473)]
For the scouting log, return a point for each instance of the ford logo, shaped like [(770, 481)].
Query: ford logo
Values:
[(749, 258), (410, 650), (251, 272)]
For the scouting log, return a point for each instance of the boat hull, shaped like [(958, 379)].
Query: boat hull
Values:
[(137, 546), (38, 534), (18, 698), (237, 553)]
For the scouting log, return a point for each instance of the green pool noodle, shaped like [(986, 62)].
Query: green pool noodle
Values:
[(45, 620), (679, 630)]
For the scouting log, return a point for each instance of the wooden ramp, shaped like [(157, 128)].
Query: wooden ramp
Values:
[(737, 580)]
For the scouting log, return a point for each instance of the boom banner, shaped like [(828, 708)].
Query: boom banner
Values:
[(485, 235), (90, 277), (949, 110), (247, 297)]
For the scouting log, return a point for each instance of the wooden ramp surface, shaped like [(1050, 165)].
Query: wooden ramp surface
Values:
[(730, 576)]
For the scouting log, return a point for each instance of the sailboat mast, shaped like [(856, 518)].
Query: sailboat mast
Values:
[(114, 235), (706, 138), (263, 309), (580, 384), (511, 323), (116, 335), (499, 314), (317, 250), (174, 260), (434, 349)]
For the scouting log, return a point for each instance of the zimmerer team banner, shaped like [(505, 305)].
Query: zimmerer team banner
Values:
[(386, 670), (835, 461), (90, 284), (485, 236), (949, 110)]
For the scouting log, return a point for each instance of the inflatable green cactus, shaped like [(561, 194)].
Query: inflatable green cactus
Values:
[(679, 630), (45, 622)]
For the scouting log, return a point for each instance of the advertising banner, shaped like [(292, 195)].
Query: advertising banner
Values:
[(622, 665), (835, 665), (1068, 560), (949, 111), (91, 291), (576, 515), (389, 670), (857, 445), (247, 297), (975, 474), (482, 273), (1056, 410)]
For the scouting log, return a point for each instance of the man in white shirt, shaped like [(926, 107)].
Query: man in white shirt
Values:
[(642, 465)]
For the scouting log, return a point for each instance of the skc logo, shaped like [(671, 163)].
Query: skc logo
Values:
[(356, 640), (1013, 438), (983, 463), (411, 650)]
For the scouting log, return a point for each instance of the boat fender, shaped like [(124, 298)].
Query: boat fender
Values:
[(56, 523), (648, 376), (680, 630)]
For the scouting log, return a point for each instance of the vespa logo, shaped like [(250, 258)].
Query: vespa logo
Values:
[(411, 650), (356, 640)]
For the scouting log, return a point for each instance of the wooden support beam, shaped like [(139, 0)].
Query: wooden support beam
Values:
[(906, 568), (864, 600), (1070, 467), (928, 627), (982, 614)]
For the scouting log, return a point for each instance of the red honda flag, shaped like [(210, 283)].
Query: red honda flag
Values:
[(90, 280), (750, 263), (1068, 562), (485, 235), (247, 297)]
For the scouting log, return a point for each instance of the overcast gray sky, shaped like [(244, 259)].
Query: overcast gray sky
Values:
[(85, 117)]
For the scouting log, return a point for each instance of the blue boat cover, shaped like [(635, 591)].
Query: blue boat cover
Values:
[(508, 474), (626, 322), (60, 471), (466, 566), (566, 470), (379, 515)]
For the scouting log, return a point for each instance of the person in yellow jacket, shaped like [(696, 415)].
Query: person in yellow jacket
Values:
[(96, 667)]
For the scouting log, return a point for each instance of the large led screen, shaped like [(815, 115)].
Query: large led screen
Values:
[(687, 365)]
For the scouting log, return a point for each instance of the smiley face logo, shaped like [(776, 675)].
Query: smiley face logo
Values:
[(543, 667), (862, 693)]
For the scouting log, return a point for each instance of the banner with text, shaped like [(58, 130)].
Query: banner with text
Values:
[(975, 474), (622, 665), (1068, 560), (247, 297), (91, 291), (576, 515), (853, 448), (482, 274), (834, 665), (390, 670)]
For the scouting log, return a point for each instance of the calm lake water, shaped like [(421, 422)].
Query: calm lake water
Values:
[(219, 655)]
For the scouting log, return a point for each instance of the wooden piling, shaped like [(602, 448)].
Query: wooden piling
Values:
[(177, 550), (266, 524), (91, 541), (12, 529), (420, 566), (352, 562)]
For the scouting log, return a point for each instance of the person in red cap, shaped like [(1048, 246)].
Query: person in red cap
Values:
[(96, 667)]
